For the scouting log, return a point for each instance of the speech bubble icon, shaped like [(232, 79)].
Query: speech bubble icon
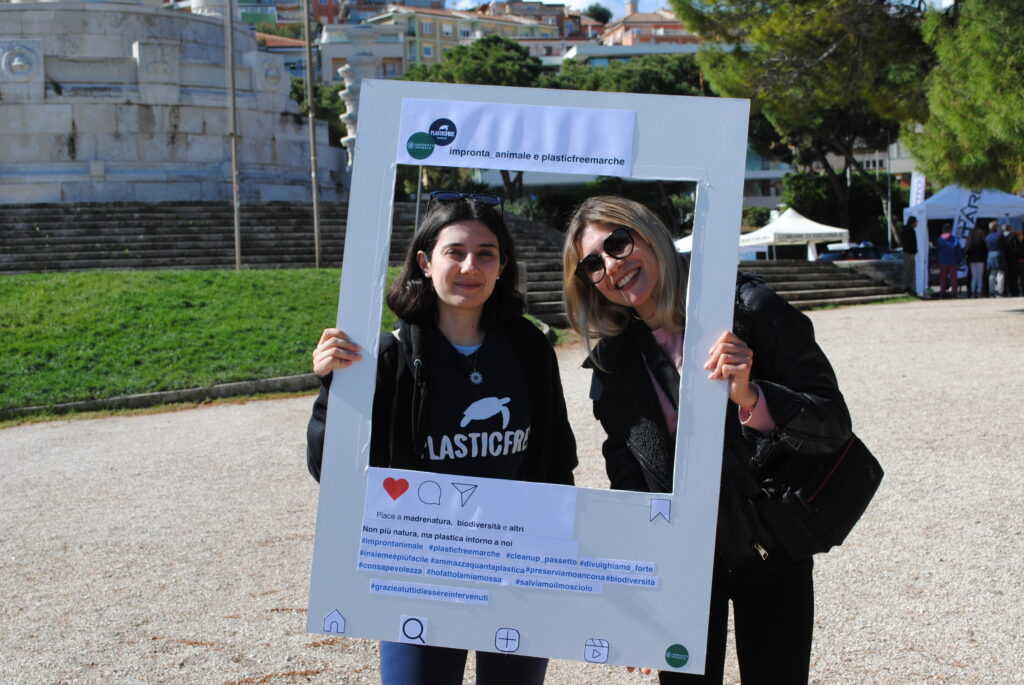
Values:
[(429, 492)]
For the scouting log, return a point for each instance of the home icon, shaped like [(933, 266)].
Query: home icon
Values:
[(334, 622)]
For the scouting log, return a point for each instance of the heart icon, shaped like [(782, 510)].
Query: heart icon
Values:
[(396, 488)]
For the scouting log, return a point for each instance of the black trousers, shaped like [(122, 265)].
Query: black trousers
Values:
[(773, 608)]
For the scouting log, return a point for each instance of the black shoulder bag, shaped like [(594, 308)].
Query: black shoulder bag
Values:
[(811, 512)]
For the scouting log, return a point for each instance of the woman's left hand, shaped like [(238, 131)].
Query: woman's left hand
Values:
[(731, 359)]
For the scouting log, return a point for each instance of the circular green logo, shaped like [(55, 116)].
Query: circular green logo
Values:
[(420, 145), (677, 656)]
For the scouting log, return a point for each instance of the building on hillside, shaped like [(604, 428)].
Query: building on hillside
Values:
[(326, 11), (558, 16), (551, 51), (293, 52), (337, 49), (661, 27), (358, 11), (253, 12), (590, 28), (430, 33), (762, 180)]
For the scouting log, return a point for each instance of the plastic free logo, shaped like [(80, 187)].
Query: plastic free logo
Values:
[(443, 132)]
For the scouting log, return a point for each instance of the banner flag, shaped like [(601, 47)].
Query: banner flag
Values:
[(483, 135)]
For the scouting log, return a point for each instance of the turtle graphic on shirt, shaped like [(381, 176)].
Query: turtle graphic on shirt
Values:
[(485, 409)]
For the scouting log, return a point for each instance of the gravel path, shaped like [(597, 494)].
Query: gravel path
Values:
[(175, 547)]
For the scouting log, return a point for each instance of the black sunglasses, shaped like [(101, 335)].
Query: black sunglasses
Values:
[(618, 245), (452, 196)]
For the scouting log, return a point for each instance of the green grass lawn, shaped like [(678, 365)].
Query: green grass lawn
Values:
[(78, 336)]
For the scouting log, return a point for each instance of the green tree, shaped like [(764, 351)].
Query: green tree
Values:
[(653, 74), (973, 133), (831, 76), (492, 60), (598, 12), (283, 30), (327, 103), (810, 194)]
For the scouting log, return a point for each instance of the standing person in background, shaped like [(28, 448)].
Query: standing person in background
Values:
[(1012, 251), (996, 261), (1018, 235), (908, 238), (461, 340), (950, 256), (976, 255), (625, 286)]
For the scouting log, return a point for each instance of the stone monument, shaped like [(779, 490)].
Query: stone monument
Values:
[(125, 101)]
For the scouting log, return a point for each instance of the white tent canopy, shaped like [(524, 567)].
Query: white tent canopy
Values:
[(792, 228), (945, 204)]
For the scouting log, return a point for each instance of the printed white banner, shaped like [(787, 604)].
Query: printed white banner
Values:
[(917, 187), (479, 135)]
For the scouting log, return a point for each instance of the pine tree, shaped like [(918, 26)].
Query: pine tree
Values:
[(831, 76), (973, 132)]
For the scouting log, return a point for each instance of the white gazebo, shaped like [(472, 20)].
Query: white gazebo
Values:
[(792, 228)]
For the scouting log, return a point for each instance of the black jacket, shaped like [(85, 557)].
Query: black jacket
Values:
[(795, 379), (908, 239), (396, 440)]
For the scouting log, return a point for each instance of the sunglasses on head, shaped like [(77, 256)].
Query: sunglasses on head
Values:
[(618, 245), (452, 196)]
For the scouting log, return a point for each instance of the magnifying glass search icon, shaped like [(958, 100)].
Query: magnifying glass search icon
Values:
[(413, 629)]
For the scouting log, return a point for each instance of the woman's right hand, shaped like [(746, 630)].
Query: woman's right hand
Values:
[(335, 351)]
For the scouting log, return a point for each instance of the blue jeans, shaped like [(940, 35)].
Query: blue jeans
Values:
[(405, 664)]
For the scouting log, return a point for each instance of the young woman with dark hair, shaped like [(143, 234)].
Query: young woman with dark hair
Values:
[(625, 288), (461, 338)]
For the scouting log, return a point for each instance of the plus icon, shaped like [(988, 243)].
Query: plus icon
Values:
[(506, 639)]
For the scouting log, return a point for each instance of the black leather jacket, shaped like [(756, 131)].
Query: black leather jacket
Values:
[(795, 379), (396, 439)]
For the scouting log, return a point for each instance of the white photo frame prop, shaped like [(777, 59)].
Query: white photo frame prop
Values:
[(533, 569)]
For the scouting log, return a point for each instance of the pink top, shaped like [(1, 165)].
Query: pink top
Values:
[(671, 344)]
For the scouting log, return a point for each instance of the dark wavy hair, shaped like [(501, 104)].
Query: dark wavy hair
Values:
[(412, 297)]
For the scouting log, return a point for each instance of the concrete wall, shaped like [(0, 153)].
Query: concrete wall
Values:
[(103, 101)]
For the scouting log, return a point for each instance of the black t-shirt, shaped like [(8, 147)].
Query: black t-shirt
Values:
[(475, 429)]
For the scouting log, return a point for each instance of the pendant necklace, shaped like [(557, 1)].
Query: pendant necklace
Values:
[(475, 377)]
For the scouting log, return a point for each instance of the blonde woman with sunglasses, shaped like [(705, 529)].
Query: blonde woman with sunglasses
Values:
[(625, 294), (466, 386)]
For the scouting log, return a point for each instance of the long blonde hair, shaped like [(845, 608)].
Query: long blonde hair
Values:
[(590, 313)]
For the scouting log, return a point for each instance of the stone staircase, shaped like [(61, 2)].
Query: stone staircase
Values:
[(64, 237), (813, 284)]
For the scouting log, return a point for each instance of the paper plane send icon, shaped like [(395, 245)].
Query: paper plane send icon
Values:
[(465, 491)]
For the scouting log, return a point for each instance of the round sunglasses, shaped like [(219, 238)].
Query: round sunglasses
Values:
[(618, 245)]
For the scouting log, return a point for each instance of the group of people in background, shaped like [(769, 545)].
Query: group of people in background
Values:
[(997, 252)]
